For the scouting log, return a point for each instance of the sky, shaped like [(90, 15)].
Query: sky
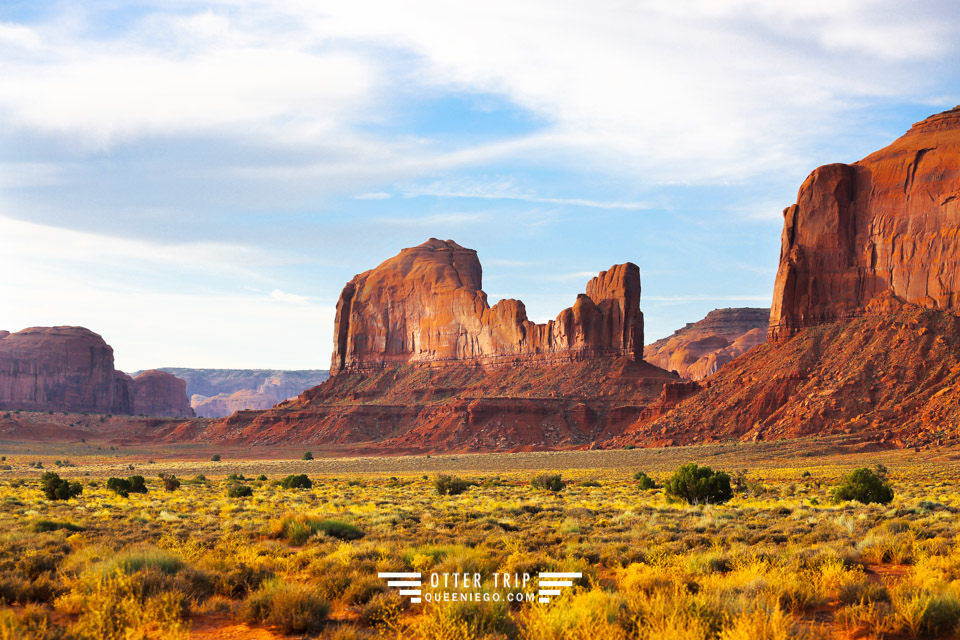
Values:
[(196, 181)]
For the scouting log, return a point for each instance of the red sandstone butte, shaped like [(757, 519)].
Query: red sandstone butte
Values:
[(890, 221), (423, 363), (426, 305), (701, 348), (71, 369)]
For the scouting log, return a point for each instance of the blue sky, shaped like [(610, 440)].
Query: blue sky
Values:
[(197, 181)]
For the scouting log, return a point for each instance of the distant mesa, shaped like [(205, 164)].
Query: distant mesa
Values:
[(71, 369), (215, 393), (699, 349)]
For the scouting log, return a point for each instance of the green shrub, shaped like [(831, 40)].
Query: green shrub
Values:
[(450, 485), (547, 482), (123, 487), (42, 526), (215, 457), (699, 485), (644, 481), (294, 608), (300, 481), (307, 456), (237, 490), (56, 488), (863, 485)]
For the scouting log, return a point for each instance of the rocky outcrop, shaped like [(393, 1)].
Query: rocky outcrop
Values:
[(427, 305), (891, 374), (71, 369), (701, 348), (423, 363), (888, 222), (158, 393)]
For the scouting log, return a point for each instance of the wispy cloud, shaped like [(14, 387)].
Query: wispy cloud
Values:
[(506, 189)]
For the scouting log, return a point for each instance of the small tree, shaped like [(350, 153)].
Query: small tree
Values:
[(56, 488), (300, 481), (644, 481), (450, 485), (699, 485), (123, 487), (548, 482), (863, 485), (215, 457), (307, 456)]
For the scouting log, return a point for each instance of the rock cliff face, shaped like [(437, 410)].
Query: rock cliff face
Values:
[(423, 363), (426, 305), (699, 349), (888, 222), (158, 393), (71, 369)]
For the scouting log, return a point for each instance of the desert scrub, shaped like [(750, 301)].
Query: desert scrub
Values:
[(547, 482), (170, 482), (466, 620), (123, 487), (450, 485), (699, 485), (863, 485), (644, 482), (56, 488), (239, 490), (297, 529), (117, 606), (293, 607), (299, 481)]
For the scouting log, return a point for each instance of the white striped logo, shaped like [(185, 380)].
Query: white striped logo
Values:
[(550, 583), (409, 583)]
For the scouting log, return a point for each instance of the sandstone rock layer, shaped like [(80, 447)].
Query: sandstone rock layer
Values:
[(701, 348), (888, 222)]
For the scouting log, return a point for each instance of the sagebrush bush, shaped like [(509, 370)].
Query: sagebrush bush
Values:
[(299, 481), (293, 607), (56, 488), (238, 490), (450, 485), (699, 485), (123, 487), (863, 485), (644, 481), (547, 482)]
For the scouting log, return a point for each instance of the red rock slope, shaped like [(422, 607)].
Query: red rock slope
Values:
[(700, 348), (422, 362), (71, 369), (864, 322)]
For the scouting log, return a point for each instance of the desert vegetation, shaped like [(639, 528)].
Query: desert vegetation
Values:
[(685, 552)]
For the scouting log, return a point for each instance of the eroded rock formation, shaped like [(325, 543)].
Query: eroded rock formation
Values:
[(701, 348), (71, 369), (888, 222), (426, 305), (422, 362)]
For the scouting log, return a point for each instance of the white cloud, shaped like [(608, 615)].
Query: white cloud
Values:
[(507, 189), (374, 195), (158, 305)]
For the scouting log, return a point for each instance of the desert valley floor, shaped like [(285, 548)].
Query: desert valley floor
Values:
[(235, 549)]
